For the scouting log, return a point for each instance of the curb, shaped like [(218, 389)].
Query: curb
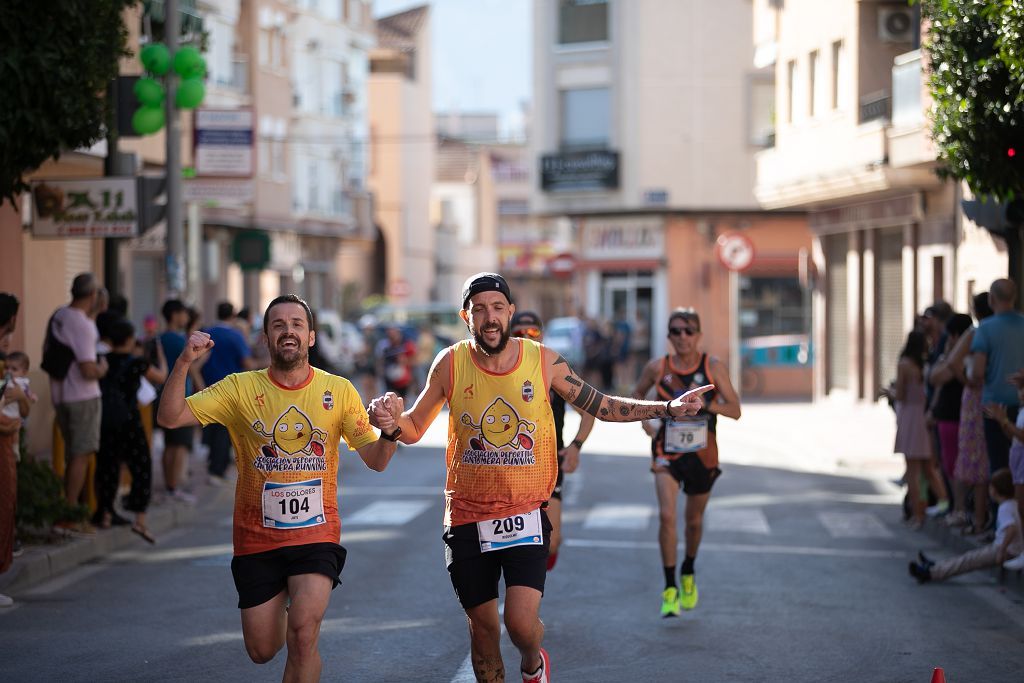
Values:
[(951, 540), (45, 562)]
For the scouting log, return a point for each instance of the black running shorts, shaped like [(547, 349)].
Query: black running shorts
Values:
[(261, 576), (557, 492), (690, 472), (179, 436), (475, 574)]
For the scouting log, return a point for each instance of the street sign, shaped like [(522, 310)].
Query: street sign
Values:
[(218, 191), (735, 251), (98, 207), (251, 249), (562, 265), (224, 142)]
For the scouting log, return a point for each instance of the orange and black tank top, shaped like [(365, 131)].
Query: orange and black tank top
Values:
[(675, 381), (502, 458)]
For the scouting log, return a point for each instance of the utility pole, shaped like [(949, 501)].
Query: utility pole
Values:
[(175, 265)]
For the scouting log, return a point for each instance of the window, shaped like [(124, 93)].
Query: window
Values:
[(813, 65), (277, 158), (586, 119), (839, 76), (314, 186), (772, 305), (790, 87), (762, 111), (582, 21)]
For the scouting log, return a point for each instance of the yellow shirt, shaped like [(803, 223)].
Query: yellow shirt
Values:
[(286, 450), (502, 457)]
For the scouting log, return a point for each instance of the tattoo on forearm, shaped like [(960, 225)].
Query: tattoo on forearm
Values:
[(588, 399)]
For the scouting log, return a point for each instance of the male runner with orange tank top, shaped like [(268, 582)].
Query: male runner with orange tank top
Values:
[(286, 423), (685, 451), (501, 466)]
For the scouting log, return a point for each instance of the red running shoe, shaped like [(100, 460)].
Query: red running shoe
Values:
[(543, 674)]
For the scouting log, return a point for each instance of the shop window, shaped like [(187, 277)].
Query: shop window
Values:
[(771, 306)]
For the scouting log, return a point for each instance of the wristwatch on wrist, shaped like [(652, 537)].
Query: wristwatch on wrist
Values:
[(393, 436), (577, 443), (668, 409)]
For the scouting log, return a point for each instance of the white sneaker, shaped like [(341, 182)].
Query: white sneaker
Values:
[(1016, 564), (183, 497), (6, 600), (937, 510)]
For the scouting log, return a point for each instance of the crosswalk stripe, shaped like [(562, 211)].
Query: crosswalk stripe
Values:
[(624, 516), (744, 520), (853, 525), (741, 548), (387, 512)]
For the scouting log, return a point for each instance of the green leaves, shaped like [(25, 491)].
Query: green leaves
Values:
[(56, 60), (977, 83)]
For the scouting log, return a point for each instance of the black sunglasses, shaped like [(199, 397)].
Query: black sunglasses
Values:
[(676, 331)]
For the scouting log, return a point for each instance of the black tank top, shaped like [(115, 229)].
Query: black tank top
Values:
[(677, 381)]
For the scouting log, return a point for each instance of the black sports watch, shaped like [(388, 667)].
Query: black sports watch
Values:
[(393, 436)]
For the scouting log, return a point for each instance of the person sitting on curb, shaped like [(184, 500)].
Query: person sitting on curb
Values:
[(1007, 542)]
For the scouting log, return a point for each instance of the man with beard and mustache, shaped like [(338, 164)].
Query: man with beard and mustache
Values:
[(502, 464), (286, 423)]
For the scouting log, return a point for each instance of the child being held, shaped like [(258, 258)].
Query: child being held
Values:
[(20, 398), (1007, 542)]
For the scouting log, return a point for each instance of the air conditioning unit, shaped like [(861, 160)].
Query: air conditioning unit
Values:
[(896, 24)]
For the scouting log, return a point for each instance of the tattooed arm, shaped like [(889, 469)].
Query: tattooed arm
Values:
[(582, 395)]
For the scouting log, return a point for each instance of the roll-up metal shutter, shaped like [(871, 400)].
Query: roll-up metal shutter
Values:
[(143, 299), (889, 332), (837, 332)]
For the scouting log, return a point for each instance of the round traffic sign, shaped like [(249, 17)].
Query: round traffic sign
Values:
[(735, 251)]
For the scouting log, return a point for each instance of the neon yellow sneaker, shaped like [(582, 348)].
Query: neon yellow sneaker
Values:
[(688, 596), (670, 602)]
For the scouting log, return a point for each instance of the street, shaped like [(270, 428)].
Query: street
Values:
[(802, 577)]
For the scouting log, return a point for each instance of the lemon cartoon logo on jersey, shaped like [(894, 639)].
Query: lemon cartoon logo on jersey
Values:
[(500, 439), (295, 444)]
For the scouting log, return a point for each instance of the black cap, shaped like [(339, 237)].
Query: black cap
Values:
[(484, 282), (527, 319)]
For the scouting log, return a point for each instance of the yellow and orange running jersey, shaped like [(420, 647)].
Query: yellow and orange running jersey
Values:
[(502, 456), (286, 450)]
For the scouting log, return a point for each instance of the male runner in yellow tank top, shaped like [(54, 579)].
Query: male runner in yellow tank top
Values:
[(286, 423), (502, 464), (685, 452)]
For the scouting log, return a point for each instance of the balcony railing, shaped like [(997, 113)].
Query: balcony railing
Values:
[(874, 106), (907, 87)]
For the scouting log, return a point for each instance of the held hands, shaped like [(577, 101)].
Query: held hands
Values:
[(385, 410), (197, 346), (689, 403)]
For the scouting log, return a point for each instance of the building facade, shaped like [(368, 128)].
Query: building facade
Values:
[(853, 149), (646, 120)]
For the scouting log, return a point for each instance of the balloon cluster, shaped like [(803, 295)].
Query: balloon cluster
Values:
[(188, 63)]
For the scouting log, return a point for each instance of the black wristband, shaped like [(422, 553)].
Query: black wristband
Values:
[(577, 443), (668, 410)]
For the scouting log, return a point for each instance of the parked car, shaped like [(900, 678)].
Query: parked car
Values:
[(340, 341), (565, 335)]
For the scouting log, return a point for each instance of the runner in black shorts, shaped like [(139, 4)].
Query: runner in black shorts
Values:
[(527, 324), (685, 451)]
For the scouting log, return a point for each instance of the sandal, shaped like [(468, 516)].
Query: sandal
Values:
[(144, 532)]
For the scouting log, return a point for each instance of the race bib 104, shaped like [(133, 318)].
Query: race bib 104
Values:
[(293, 505), (507, 532)]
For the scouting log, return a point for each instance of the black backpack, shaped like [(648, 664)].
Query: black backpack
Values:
[(57, 356)]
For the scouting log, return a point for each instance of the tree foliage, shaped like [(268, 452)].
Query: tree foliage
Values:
[(976, 57), (56, 60)]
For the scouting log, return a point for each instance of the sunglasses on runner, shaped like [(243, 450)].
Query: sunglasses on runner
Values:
[(531, 332), (689, 331)]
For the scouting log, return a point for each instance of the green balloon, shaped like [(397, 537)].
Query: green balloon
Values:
[(190, 93), (186, 61), (148, 120), (148, 92), (156, 58)]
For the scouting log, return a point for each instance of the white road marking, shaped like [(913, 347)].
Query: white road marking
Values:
[(744, 520), (387, 513), (622, 516), (69, 579), (344, 490), (853, 525), (340, 625), (742, 548)]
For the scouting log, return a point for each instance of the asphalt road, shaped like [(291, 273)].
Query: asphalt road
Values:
[(802, 577)]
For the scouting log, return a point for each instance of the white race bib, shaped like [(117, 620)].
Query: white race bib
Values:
[(293, 505), (686, 435), (506, 532)]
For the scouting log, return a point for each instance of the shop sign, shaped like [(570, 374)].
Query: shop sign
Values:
[(224, 142), (98, 207), (574, 171), (620, 239)]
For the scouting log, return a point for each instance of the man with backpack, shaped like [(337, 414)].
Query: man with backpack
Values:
[(70, 358)]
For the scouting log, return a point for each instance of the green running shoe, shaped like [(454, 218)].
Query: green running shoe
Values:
[(688, 596), (670, 602)]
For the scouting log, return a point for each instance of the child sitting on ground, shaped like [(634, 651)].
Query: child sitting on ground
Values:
[(1007, 542), (1016, 432), (21, 399)]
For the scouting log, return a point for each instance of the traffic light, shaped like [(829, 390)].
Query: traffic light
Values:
[(149, 92)]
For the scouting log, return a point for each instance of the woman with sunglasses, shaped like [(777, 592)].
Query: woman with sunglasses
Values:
[(684, 450), (527, 325)]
